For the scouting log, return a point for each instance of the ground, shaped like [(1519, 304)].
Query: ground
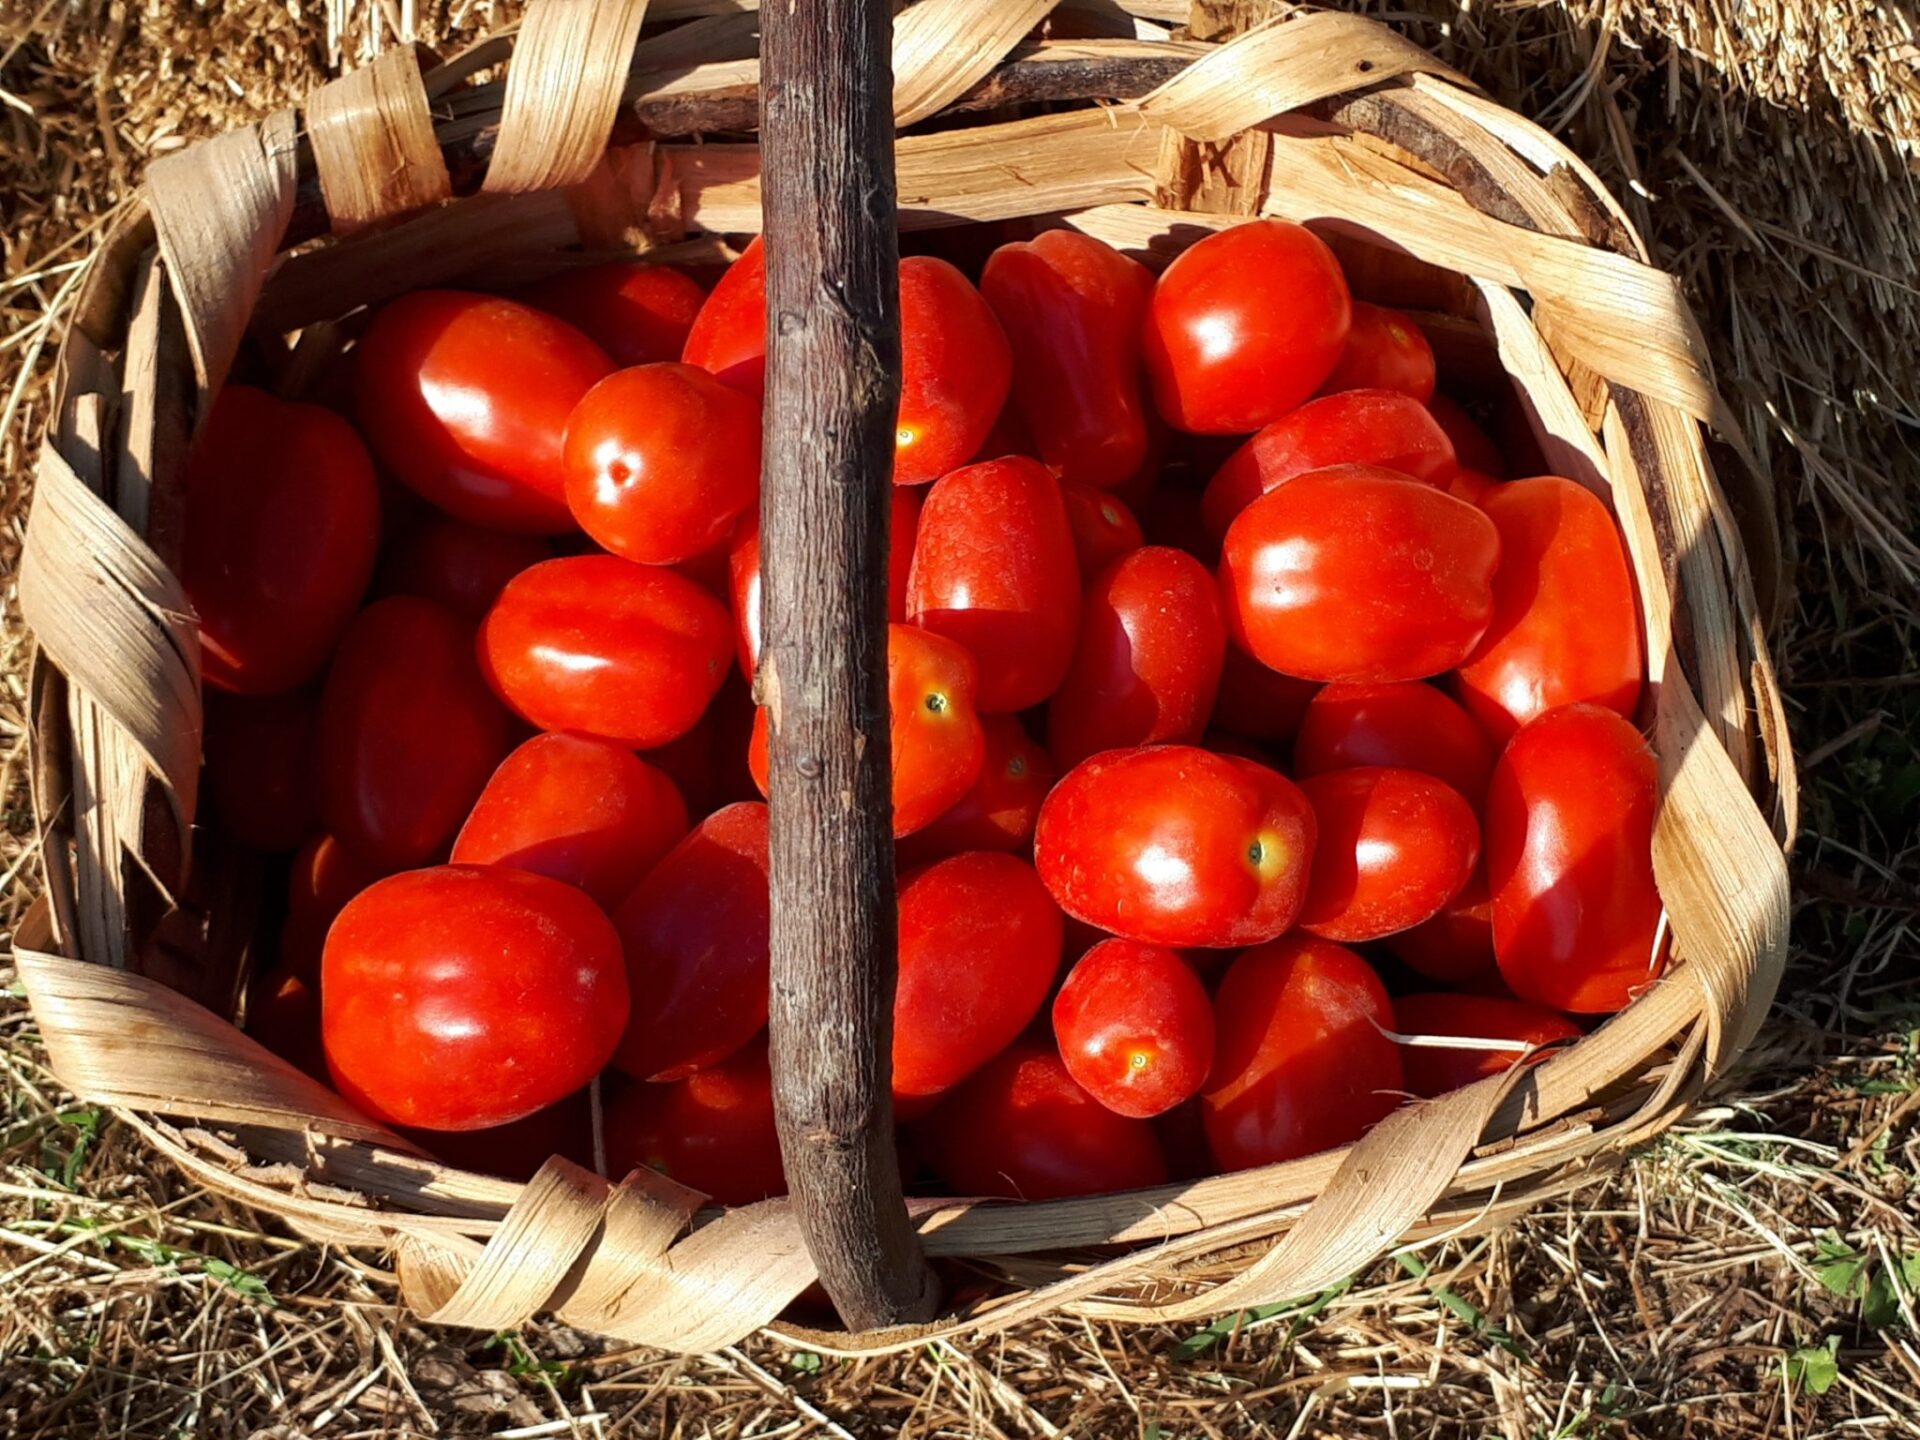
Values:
[(1753, 1274)]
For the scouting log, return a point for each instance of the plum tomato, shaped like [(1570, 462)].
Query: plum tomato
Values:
[(467, 996), (955, 370), (1146, 667), (712, 1131), (639, 314), (1177, 846), (979, 949), (1395, 846), (1570, 817), (999, 810), (324, 877), (1356, 427), (695, 934), (1470, 486), (1259, 704), (1244, 326), (994, 570), (577, 809), (282, 519), (1135, 1027), (1072, 307), (1566, 625), (1024, 1129), (1302, 1061), (708, 765), (517, 1150), (1472, 446), (1434, 1070), (1406, 723), (1385, 351), (602, 646), (1104, 528), (1358, 574), (260, 754), (661, 461), (465, 398), (729, 335), (1455, 946), (464, 567), (409, 733)]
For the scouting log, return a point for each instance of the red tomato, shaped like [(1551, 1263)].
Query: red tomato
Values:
[(283, 1014), (409, 733), (660, 461), (468, 996), (1147, 664), (1258, 703), (1135, 1027), (1395, 846), (1022, 1128), (465, 398), (729, 335), (1177, 846), (1470, 486), (1072, 306), (1357, 574), (712, 1131), (1301, 1063), (1566, 627), (708, 764), (259, 756), (602, 646), (580, 810), (999, 811), (325, 876), (695, 932), (516, 1151), (1570, 819), (1471, 445), (1104, 529), (955, 368), (1456, 945), (639, 314), (462, 566), (1385, 351), (1407, 724), (1433, 1070), (979, 949), (282, 517), (993, 569), (1244, 326)]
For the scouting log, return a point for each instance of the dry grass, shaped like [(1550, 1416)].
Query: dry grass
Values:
[(1712, 1288)]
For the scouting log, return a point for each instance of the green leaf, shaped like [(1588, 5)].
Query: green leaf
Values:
[(1463, 1309), (1201, 1341), (805, 1361), (1816, 1367), (1842, 1269), (1881, 1306), (234, 1278)]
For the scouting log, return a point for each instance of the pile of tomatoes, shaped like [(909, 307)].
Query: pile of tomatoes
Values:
[(1251, 736)]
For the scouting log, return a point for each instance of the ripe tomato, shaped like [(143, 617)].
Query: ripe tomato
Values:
[(1022, 1128), (708, 764), (468, 996), (409, 733), (1358, 574), (729, 335), (1407, 723), (517, 1150), (1135, 1027), (695, 934), (1244, 326), (1104, 529), (1456, 945), (1257, 703), (1355, 427), (577, 809), (1570, 818), (1395, 846), (979, 949), (260, 756), (1177, 846), (639, 314), (1565, 626), (660, 461), (462, 566), (602, 646), (1072, 306), (1385, 351), (993, 569), (712, 1131), (1471, 445), (955, 368), (1301, 1063), (1433, 1070), (1470, 486), (282, 516), (465, 398), (999, 810), (1147, 663), (283, 1014), (325, 876)]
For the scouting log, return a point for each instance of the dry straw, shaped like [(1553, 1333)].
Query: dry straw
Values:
[(131, 961)]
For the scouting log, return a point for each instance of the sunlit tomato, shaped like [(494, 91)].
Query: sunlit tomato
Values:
[(1471, 445), (1135, 1027), (1177, 846), (999, 811), (695, 932), (464, 567), (283, 1014), (465, 397), (468, 996), (1358, 574), (1244, 326), (1072, 307), (1407, 724), (729, 335), (1470, 485), (1394, 847), (638, 314), (580, 810), (409, 733), (994, 570), (282, 517), (979, 950), (1457, 944), (955, 367), (712, 1131), (1022, 1128), (1147, 663), (260, 755), (1570, 818), (1385, 351), (660, 461), (324, 877), (1434, 1070), (1104, 528), (1301, 1061), (1356, 427), (517, 1150), (602, 646), (1258, 703), (1565, 625)]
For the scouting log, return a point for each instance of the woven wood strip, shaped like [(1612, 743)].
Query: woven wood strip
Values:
[(563, 90), (373, 143)]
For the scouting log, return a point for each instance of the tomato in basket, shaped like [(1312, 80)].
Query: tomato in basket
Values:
[(712, 1131), (1385, 351), (1393, 847), (637, 313), (1135, 1027)]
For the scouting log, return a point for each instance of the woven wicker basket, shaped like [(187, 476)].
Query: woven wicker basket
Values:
[(1437, 199)]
